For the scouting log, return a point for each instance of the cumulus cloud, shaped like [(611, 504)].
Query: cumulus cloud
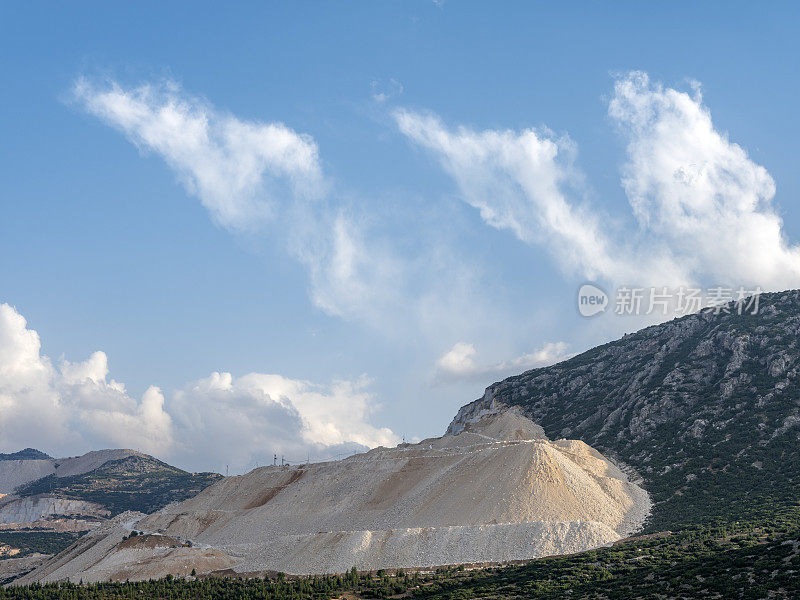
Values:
[(240, 170), (257, 415), (702, 206), (696, 193), (73, 406), (458, 363), (211, 422)]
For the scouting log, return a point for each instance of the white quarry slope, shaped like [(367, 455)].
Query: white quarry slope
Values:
[(104, 554), (30, 510), (15, 473), (497, 491)]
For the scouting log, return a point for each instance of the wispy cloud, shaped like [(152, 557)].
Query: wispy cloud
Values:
[(383, 91), (519, 182), (267, 178), (238, 169)]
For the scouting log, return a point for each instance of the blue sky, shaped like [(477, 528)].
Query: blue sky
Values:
[(425, 248)]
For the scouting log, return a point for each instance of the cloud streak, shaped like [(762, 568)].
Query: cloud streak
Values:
[(519, 182), (703, 208)]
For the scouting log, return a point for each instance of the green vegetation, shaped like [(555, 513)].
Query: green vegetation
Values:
[(367, 585), (745, 560), (26, 454), (30, 541), (139, 483), (740, 560)]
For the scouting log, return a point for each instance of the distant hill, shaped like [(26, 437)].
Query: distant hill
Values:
[(137, 482), (26, 454), (47, 503)]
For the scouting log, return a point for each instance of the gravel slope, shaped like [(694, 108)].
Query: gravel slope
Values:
[(497, 491)]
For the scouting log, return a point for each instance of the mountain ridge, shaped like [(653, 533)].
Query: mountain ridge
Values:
[(26, 454), (704, 407)]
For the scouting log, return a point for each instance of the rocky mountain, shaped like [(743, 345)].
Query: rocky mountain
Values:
[(706, 408), (29, 465), (117, 480)]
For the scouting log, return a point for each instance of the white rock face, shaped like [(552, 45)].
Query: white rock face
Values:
[(474, 412), (496, 491), (336, 552), (30, 510), (14, 473)]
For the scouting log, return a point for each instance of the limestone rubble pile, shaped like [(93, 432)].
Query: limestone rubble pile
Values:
[(497, 491)]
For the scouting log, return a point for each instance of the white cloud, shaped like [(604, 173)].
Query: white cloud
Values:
[(94, 369), (209, 423), (258, 414), (458, 363), (75, 406), (518, 181), (696, 193), (248, 174), (352, 277), (238, 169), (702, 207)]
